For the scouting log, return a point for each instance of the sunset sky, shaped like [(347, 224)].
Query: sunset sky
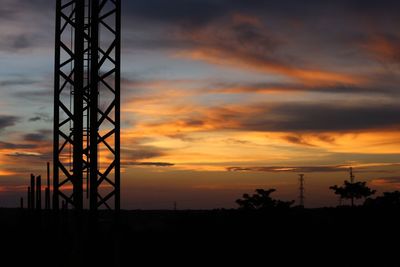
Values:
[(220, 97)]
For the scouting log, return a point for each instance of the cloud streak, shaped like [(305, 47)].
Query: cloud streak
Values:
[(320, 169), (149, 164), (25, 154), (6, 145), (391, 181), (7, 121), (276, 169), (293, 117)]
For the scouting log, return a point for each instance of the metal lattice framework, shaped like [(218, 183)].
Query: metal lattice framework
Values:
[(87, 104)]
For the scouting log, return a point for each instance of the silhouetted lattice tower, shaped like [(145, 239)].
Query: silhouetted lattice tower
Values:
[(352, 177), (301, 189), (87, 104)]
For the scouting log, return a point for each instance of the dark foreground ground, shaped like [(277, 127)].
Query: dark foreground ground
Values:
[(298, 237)]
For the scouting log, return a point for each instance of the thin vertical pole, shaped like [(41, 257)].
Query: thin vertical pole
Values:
[(29, 198), (33, 197), (78, 105), (47, 198), (39, 192), (47, 190), (94, 92), (48, 174)]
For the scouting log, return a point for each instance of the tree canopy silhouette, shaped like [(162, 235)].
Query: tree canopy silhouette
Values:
[(262, 201), (388, 200), (352, 191)]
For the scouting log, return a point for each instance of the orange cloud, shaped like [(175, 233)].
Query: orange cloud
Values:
[(385, 48), (12, 188), (197, 137), (196, 119), (383, 141), (243, 61), (6, 173), (387, 182)]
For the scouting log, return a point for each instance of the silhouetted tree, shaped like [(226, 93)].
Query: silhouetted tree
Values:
[(262, 201), (355, 190), (388, 200)]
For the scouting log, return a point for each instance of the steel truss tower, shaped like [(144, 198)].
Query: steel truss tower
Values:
[(87, 104)]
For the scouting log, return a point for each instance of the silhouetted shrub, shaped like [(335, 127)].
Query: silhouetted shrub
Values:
[(262, 201), (388, 200)]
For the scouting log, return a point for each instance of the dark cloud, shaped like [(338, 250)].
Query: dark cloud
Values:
[(201, 11), (141, 152), (270, 36), (24, 23), (17, 82), (192, 123), (193, 12), (6, 145), (134, 157), (191, 15), (42, 95), (22, 42), (40, 116), (299, 139), (7, 121), (236, 88), (7, 12), (39, 136), (296, 139), (33, 119), (18, 44), (149, 164), (315, 118), (234, 141), (304, 117), (34, 137)]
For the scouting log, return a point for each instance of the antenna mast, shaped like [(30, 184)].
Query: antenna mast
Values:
[(301, 189)]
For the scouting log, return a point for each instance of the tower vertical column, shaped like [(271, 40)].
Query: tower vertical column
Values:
[(94, 93), (77, 129), (56, 110), (118, 106), (87, 103)]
